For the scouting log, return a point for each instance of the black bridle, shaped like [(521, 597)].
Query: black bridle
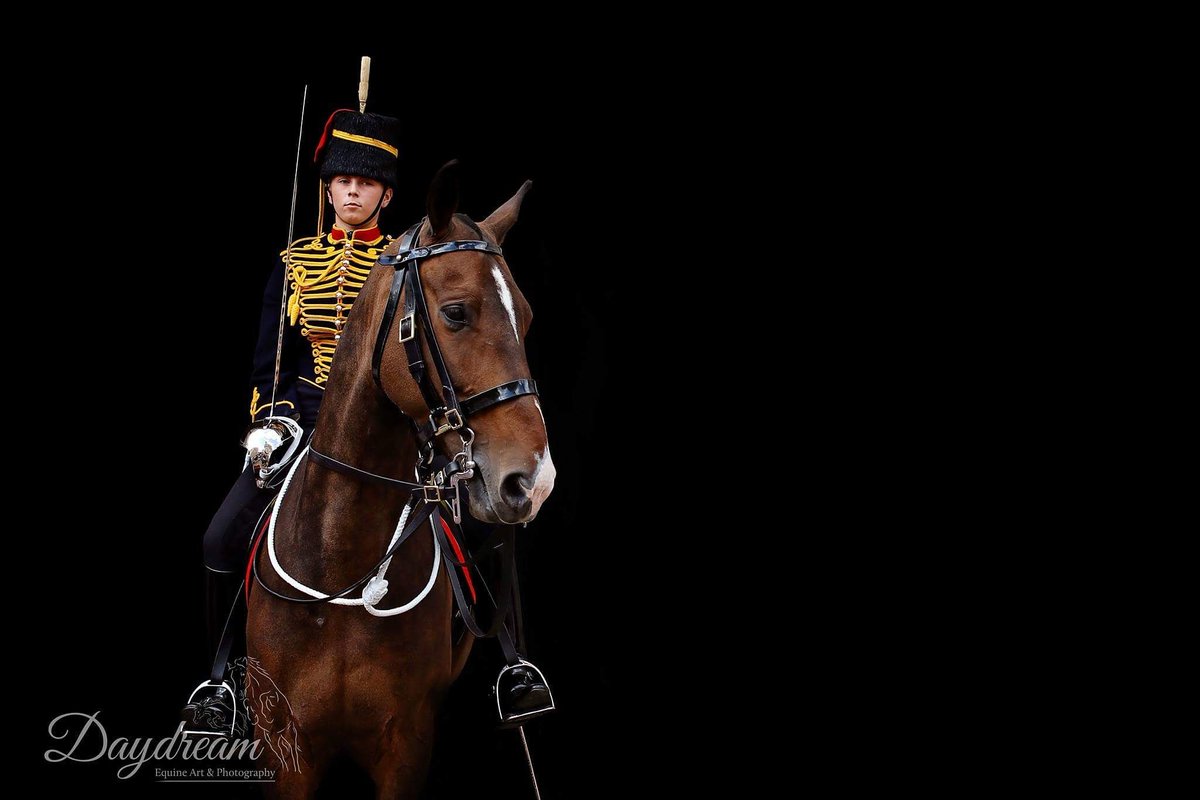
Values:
[(446, 412)]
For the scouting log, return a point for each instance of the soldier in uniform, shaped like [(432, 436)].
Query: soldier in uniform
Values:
[(358, 155)]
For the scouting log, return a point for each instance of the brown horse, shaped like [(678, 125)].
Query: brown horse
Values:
[(360, 685)]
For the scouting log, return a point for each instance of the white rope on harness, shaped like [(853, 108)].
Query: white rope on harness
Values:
[(376, 588)]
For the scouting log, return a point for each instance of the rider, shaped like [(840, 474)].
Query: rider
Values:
[(357, 157)]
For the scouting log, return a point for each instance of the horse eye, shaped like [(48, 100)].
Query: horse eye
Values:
[(455, 314)]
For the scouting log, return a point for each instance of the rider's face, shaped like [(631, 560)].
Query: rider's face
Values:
[(355, 199)]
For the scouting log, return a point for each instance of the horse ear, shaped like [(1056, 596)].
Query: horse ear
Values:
[(503, 217), (442, 200)]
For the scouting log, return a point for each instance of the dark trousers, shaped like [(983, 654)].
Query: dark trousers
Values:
[(227, 540)]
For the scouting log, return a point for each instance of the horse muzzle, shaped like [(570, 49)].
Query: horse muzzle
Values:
[(513, 496)]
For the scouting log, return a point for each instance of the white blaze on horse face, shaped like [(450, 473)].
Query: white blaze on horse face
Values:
[(543, 477), (506, 299)]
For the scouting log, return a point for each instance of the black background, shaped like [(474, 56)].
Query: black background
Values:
[(152, 222)]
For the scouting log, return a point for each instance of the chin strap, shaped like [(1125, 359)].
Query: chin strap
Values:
[(373, 219)]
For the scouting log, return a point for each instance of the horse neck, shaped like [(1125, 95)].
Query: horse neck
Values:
[(351, 518), (358, 426)]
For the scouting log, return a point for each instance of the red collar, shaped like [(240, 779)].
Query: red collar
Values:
[(362, 235)]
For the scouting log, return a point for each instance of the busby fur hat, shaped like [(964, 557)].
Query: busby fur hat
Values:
[(360, 144)]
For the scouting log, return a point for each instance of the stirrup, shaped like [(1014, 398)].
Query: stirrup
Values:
[(514, 718), (224, 687)]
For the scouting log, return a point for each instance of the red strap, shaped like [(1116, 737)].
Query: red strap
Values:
[(254, 552), (458, 553)]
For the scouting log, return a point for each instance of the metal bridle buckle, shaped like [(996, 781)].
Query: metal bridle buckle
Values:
[(453, 420), (433, 494), (412, 328)]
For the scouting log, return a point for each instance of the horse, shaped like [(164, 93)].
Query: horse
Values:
[(359, 685)]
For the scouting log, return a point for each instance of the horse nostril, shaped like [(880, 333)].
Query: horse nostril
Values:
[(514, 491)]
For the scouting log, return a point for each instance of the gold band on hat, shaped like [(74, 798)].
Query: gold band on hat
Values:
[(367, 140)]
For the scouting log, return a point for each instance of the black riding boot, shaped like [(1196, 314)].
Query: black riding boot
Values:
[(212, 707), (522, 694)]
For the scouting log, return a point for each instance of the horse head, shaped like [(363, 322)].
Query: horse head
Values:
[(480, 319)]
